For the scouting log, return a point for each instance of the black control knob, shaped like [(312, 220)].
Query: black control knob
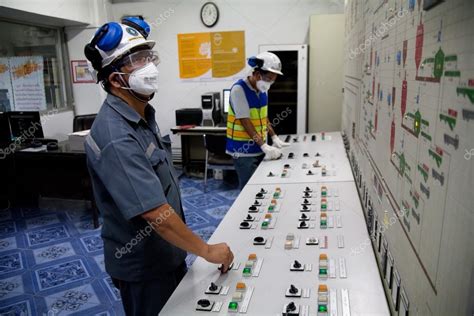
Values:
[(258, 239), (250, 216), (291, 307), (303, 224), (204, 303), (304, 216), (244, 224), (296, 264), (305, 207), (293, 289), (213, 287), (253, 208)]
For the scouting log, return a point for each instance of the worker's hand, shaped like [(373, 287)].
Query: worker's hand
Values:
[(219, 254), (271, 153), (278, 143)]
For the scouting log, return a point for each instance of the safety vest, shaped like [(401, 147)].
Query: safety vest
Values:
[(238, 141)]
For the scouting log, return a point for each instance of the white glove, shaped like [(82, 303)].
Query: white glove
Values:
[(278, 143), (271, 153)]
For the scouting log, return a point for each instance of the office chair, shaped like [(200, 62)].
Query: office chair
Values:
[(83, 122), (216, 158)]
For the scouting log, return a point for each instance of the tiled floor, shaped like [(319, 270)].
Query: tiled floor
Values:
[(52, 260)]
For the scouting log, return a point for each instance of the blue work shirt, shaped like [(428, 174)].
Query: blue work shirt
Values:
[(131, 171)]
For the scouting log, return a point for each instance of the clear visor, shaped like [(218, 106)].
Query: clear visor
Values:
[(140, 58)]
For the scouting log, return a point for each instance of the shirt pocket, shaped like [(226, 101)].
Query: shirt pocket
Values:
[(158, 160)]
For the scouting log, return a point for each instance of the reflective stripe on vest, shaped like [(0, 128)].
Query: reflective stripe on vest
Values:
[(238, 140)]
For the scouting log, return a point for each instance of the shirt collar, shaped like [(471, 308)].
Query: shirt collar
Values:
[(128, 112)]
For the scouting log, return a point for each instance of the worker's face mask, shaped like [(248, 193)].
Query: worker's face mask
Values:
[(144, 80), (265, 82), (263, 86)]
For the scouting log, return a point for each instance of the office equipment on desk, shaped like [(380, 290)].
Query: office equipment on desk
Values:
[(5, 134), (83, 122), (25, 124), (191, 116), (211, 113), (216, 157), (77, 139), (225, 103)]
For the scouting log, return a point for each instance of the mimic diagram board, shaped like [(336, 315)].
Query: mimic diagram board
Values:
[(409, 111)]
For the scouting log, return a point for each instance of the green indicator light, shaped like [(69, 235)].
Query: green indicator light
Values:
[(323, 193), (322, 308), (247, 271), (323, 223), (276, 194), (323, 271), (233, 306), (271, 207), (323, 206), (264, 224)]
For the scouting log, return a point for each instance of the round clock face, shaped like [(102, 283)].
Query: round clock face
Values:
[(209, 14)]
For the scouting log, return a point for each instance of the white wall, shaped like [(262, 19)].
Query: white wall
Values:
[(264, 22), (326, 46)]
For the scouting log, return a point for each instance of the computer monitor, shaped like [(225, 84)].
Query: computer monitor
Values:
[(25, 124), (226, 100)]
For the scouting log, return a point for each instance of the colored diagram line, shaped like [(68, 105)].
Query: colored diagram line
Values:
[(438, 158), (466, 92), (451, 121), (427, 79)]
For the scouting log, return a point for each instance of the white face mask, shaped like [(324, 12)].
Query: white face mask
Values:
[(263, 86), (144, 80)]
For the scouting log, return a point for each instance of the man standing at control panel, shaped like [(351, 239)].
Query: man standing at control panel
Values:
[(135, 185), (247, 120)]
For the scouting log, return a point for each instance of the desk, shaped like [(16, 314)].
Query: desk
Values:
[(59, 173), (355, 290), (192, 144)]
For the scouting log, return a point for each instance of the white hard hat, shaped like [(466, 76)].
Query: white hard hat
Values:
[(130, 38), (271, 62), (113, 40)]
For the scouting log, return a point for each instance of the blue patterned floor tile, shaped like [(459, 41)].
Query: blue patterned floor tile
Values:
[(78, 300), (53, 252), (23, 305), (46, 235), (112, 291), (218, 213), (99, 260), (8, 243), (40, 221), (92, 243), (60, 274), (206, 232), (190, 191), (204, 201), (47, 253), (11, 262), (193, 219), (7, 227)]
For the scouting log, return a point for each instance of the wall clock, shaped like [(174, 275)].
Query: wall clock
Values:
[(209, 14)]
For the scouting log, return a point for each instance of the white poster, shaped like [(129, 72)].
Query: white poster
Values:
[(28, 83), (6, 96)]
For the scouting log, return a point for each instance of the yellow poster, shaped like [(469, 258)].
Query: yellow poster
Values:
[(211, 55)]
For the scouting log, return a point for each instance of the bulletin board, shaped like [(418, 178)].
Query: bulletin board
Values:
[(211, 55)]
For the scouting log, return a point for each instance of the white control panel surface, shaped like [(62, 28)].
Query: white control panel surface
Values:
[(336, 271), (310, 158)]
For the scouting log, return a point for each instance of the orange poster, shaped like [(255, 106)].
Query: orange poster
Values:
[(194, 52), (211, 55), (228, 53)]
